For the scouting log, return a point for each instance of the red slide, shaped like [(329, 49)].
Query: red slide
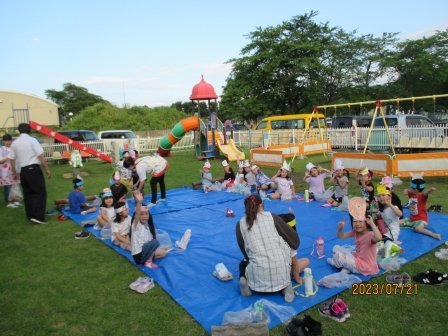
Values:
[(62, 138)]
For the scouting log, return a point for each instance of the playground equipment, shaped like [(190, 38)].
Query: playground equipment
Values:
[(48, 132), (210, 137), (401, 165), (312, 141), (177, 133)]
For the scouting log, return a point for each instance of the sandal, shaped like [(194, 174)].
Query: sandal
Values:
[(332, 310), (431, 277), (343, 306)]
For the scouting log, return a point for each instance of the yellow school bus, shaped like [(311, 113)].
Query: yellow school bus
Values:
[(292, 121)]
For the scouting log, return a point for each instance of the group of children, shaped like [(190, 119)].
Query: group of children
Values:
[(250, 179), (136, 234), (382, 217), (376, 222)]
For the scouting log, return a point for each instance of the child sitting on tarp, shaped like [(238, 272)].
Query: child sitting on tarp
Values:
[(340, 182), (395, 200), (364, 177), (229, 175), (264, 183), (249, 177), (208, 183), (285, 186), (144, 244), (118, 189), (417, 206), (390, 214), (107, 211), (363, 260), (78, 204), (121, 226), (315, 177)]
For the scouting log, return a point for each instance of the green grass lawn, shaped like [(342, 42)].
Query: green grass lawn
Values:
[(52, 284)]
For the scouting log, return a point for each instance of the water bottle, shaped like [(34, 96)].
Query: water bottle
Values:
[(308, 279), (307, 196), (258, 315), (320, 246), (183, 243)]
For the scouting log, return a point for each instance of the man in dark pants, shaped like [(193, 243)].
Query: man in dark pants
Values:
[(28, 155)]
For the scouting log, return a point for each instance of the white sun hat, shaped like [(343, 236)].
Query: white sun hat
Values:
[(338, 164), (309, 166), (286, 166)]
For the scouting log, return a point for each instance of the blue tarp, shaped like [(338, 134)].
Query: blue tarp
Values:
[(187, 275)]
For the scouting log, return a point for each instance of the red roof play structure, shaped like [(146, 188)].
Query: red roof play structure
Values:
[(203, 91)]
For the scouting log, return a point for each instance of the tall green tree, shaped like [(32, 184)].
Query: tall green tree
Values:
[(290, 67), (73, 99), (103, 116), (420, 67)]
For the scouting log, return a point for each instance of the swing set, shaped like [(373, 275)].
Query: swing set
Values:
[(401, 165)]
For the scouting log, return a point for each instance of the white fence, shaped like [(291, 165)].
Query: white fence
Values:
[(143, 145), (413, 138)]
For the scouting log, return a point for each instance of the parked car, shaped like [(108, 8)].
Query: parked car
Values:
[(116, 134), (79, 135), (348, 121), (415, 125), (405, 128)]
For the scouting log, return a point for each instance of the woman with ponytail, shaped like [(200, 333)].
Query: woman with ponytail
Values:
[(266, 242)]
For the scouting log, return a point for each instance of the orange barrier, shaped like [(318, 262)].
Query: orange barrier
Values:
[(276, 154), (402, 165)]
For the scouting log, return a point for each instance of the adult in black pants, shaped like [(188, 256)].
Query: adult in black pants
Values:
[(28, 155), (154, 165)]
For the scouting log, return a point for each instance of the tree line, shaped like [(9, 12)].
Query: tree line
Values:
[(289, 68)]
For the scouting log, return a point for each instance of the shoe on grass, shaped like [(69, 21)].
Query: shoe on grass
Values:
[(145, 285), (34, 220), (343, 306), (11, 205), (332, 310), (82, 235), (140, 280)]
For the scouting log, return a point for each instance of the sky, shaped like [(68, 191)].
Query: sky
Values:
[(148, 52)]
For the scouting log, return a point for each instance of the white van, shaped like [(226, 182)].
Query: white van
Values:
[(116, 134)]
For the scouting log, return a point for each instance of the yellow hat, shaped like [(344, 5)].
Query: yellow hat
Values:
[(364, 171), (382, 190)]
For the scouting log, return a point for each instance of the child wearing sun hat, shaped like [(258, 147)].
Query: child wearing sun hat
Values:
[(206, 176), (229, 175), (315, 177), (285, 186), (340, 182)]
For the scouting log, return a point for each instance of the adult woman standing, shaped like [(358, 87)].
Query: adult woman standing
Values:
[(6, 178), (266, 242)]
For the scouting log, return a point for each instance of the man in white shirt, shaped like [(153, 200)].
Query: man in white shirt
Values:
[(28, 155)]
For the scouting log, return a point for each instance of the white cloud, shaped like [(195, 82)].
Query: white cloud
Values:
[(35, 40), (155, 86), (425, 33)]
